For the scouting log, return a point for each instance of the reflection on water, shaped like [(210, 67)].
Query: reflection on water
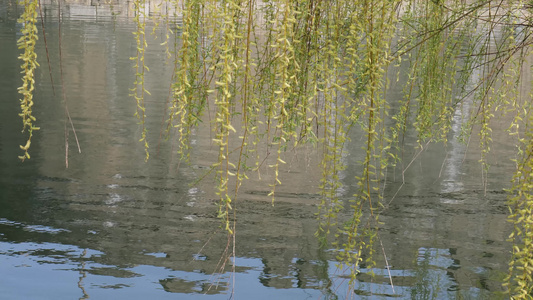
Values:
[(113, 227)]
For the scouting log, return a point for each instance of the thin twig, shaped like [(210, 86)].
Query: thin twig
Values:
[(67, 113), (386, 264), (46, 48)]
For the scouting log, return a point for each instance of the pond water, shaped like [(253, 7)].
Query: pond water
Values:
[(111, 226)]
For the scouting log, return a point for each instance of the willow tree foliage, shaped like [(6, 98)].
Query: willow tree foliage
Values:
[(286, 73)]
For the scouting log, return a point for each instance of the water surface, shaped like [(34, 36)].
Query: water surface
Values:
[(111, 226)]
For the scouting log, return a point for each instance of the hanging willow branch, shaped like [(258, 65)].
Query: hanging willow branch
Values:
[(27, 42), (519, 280), (138, 91)]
